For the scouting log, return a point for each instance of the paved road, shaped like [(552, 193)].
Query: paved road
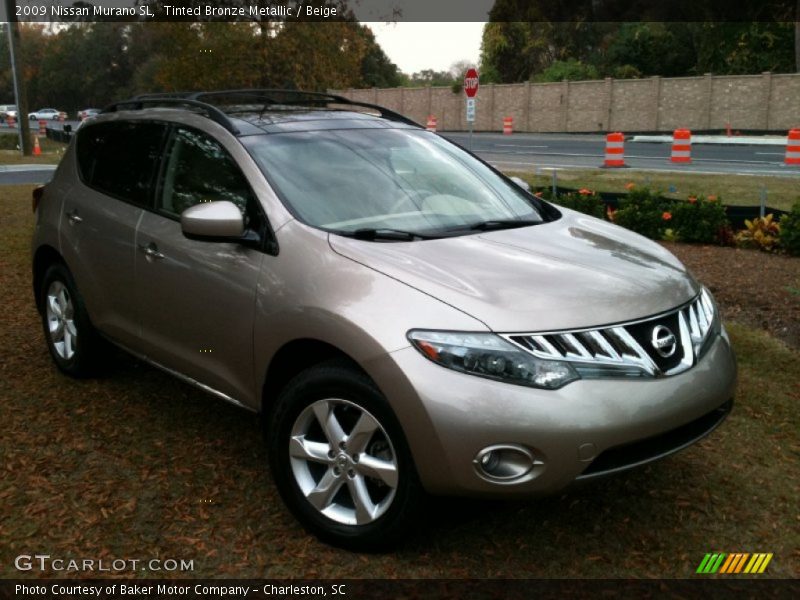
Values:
[(24, 174), (529, 152)]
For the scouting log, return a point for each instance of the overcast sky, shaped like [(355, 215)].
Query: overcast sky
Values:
[(416, 46)]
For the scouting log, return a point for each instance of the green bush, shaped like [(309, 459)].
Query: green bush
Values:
[(646, 213), (790, 230), (585, 201), (701, 220)]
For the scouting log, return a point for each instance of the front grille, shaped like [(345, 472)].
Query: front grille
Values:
[(666, 344), (620, 458)]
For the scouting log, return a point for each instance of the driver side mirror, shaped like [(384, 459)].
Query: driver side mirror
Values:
[(521, 183), (213, 221)]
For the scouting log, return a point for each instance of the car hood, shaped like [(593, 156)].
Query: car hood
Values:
[(574, 272)]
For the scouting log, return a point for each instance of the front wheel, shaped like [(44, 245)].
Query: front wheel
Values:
[(340, 460)]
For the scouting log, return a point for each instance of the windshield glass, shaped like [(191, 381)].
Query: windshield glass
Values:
[(399, 179)]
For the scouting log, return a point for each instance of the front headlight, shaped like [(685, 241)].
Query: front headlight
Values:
[(488, 355)]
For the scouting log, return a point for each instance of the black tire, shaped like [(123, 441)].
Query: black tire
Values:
[(350, 391), (87, 347)]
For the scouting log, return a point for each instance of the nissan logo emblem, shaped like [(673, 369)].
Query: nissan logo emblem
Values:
[(663, 341)]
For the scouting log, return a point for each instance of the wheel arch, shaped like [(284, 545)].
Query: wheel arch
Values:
[(294, 357), (44, 256)]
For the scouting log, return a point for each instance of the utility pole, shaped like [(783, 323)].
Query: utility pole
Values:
[(797, 37), (20, 94)]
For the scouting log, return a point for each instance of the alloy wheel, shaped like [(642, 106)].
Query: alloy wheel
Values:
[(343, 461), (60, 312)]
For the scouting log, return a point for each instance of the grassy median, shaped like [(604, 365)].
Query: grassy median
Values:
[(138, 465), (737, 190), (9, 154)]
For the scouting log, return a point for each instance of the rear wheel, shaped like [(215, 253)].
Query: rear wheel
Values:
[(340, 459), (74, 345)]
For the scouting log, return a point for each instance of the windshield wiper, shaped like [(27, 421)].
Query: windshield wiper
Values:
[(494, 224), (396, 235)]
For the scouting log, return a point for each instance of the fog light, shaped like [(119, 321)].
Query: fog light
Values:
[(504, 462)]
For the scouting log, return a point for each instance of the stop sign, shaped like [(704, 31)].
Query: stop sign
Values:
[(471, 83)]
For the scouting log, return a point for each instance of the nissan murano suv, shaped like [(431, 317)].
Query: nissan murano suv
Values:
[(407, 319)]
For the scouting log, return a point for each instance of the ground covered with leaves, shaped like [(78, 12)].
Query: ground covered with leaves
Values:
[(137, 465)]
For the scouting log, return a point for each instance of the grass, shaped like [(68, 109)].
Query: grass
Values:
[(51, 151), (738, 190), (139, 465)]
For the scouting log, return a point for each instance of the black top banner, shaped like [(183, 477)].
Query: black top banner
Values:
[(401, 10)]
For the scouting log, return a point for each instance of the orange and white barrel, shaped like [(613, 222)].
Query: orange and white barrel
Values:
[(42, 127), (508, 125), (615, 150), (681, 146), (793, 147), (431, 126)]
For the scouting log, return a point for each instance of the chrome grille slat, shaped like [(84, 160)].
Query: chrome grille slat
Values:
[(601, 341), (580, 350), (615, 347), (546, 346)]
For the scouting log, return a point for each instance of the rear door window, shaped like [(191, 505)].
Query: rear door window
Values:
[(121, 158)]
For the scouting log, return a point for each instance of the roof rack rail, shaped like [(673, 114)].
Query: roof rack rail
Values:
[(204, 101), (300, 97), (139, 102)]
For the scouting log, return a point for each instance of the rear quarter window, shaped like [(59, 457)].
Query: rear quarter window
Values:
[(120, 158)]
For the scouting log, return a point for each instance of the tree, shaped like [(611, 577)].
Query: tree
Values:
[(376, 68), (568, 70), (523, 38)]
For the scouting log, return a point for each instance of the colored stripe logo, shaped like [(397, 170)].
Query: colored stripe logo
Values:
[(730, 564)]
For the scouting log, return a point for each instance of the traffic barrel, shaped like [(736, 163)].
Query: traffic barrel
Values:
[(681, 146), (431, 126), (615, 150), (508, 125), (42, 127), (793, 147)]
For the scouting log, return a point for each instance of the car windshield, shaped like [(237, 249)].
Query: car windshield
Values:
[(396, 180)]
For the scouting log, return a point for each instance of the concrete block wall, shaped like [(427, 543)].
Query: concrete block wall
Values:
[(745, 102)]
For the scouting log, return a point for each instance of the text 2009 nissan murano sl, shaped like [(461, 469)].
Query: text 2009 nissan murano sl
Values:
[(405, 318)]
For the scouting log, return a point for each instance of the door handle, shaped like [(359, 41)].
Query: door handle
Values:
[(73, 217), (151, 251)]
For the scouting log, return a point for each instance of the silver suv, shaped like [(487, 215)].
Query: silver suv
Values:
[(405, 318)]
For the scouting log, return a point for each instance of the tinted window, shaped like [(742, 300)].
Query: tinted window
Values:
[(120, 159), (200, 170)]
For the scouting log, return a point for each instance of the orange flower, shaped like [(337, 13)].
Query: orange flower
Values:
[(630, 186), (666, 216), (712, 198), (585, 192), (538, 194), (692, 199), (610, 213)]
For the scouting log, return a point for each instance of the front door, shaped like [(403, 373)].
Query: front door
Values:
[(197, 298)]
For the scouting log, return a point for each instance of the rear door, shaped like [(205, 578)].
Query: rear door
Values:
[(117, 163), (197, 298)]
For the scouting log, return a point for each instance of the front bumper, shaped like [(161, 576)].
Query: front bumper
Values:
[(585, 429)]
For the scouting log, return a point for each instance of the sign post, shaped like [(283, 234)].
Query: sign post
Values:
[(471, 90)]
